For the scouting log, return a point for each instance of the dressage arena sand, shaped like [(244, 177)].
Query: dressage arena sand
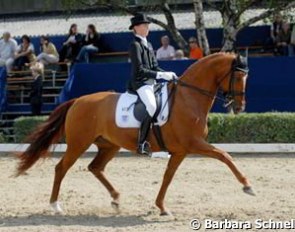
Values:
[(203, 188)]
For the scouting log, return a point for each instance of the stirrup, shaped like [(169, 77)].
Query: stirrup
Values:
[(144, 149)]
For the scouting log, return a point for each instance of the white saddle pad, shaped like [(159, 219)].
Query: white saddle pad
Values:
[(125, 106)]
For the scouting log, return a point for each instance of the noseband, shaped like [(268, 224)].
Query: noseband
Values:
[(237, 66)]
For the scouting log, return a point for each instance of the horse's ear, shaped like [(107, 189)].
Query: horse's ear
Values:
[(241, 63), (242, 59), (239, 60)]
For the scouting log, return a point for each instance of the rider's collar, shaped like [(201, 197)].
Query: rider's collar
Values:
[(143, 39)]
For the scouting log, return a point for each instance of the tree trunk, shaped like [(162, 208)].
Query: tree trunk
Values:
[(229, 38), (171, 27), (200, 27), (230, 23)]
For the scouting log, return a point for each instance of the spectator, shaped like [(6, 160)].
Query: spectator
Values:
[(292, 42), (276, 27), (166, 52), (195, 51), (25, 53), (49, 54), (72, 45), (36, 90), (7, 51), (283, 40), (90, 44), (179, 55)]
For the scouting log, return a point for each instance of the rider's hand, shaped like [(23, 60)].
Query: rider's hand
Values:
[(168, 76)]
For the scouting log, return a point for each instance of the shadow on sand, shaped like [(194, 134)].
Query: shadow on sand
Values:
[(79, 220)]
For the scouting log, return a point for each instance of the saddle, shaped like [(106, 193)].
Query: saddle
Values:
[(139, 110), (130, 111)]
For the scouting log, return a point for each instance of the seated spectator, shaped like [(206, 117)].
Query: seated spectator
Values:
[(166, 52), (179, 55), (8, 48), (283, 40), (25, 53), (36, 89), (90, 44), (72, 45), (195, 51), (49, 54)]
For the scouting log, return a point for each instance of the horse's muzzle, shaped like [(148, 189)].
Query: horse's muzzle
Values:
[(239, 109)]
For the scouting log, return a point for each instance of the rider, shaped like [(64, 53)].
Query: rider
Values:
[(145, 72)]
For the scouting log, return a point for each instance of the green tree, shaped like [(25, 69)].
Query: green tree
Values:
[(124, 6), (233, 10)]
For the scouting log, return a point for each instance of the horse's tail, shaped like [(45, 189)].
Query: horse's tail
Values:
[(46, 134)]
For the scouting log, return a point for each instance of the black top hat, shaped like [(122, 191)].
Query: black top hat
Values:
[(138, 19)]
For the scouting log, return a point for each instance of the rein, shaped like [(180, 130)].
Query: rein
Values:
[(200, 90)]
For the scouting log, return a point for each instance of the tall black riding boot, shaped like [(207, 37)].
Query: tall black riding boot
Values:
[(143, 145)]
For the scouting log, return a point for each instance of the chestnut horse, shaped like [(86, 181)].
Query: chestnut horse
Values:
[(91, 120)]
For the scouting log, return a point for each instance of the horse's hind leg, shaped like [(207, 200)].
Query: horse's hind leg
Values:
[(70, 157), (106, 153), (213, 152)]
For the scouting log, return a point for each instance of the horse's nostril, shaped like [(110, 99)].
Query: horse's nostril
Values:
[(239, 109)]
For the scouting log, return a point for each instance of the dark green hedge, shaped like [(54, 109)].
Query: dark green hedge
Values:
[(23, 126), (223, 128), (2, 138), (252, 128)]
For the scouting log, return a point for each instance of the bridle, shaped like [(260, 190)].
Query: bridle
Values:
[(229, 96)]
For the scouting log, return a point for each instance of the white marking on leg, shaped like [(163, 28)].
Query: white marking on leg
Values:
[(56, 207)]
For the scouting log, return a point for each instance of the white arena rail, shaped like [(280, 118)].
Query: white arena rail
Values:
[(244, 148)]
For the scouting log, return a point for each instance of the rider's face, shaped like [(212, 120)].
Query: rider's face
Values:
[(142, 29)]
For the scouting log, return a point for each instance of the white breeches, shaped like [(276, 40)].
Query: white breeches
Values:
[(146, 94), (45, 58), (8, 63)]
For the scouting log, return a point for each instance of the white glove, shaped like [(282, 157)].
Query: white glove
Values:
[(168, 76)]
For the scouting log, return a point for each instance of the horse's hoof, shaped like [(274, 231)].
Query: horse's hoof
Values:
[(249, 190), (166, 213), (116, 206), (56, 207)]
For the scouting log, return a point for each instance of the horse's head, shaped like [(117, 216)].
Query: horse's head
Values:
[(233, 84)]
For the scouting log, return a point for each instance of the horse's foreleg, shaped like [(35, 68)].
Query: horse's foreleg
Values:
[(97, 166), (172, 166), (213, 152)]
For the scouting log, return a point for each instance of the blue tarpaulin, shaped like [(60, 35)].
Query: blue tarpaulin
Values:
[(270, 85), (91, 78)]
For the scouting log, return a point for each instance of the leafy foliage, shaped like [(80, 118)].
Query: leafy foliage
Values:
[(2, 138)]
